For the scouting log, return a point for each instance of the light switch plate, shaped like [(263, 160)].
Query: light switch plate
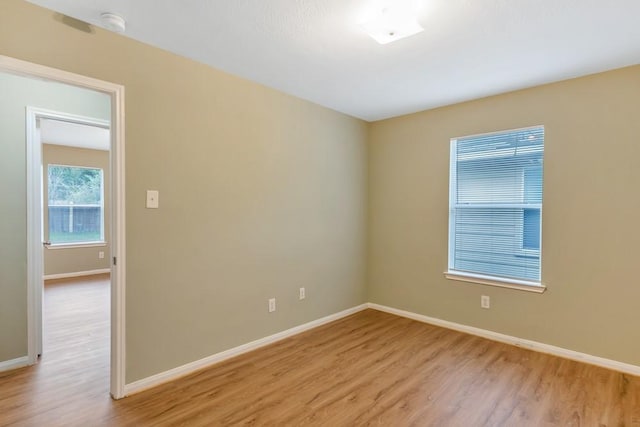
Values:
[(152, 199)]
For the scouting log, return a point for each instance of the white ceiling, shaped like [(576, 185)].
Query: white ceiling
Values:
[(58, 132), (316, 49)]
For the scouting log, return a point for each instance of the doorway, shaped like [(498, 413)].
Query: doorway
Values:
[(76, 227), (34, 172)]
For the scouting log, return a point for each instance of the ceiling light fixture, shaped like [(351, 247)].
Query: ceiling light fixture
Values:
[(392, 22), (113, 22)]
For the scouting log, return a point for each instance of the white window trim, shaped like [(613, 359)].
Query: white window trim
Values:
[(462, 276), (521, 285), (83, 244), (55, 246)]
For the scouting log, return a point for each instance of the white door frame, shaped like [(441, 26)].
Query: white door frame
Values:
[(34, 214), (35, 205)]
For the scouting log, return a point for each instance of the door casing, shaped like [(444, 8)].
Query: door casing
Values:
[(34, 213), (35, 172)]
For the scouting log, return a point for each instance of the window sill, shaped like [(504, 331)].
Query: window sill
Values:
[(520, 285), (54, 246)]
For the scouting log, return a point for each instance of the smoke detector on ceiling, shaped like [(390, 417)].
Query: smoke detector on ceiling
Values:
[(113, 22)]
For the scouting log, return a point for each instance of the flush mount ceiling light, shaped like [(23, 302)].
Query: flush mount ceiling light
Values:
[(113, 22), (392, 22)]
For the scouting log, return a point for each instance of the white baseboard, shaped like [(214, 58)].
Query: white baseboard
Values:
[(14, 363), (180, 371), (520, 342), (76, 274)]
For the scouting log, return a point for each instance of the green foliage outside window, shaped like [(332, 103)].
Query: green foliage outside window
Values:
[(75, 204), (74, 185)]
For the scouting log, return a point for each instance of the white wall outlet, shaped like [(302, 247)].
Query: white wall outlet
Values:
[(272, 305), (101, 254), (152, 199), (302, 293), (485, 301)]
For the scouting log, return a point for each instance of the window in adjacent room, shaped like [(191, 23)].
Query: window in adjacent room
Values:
[(75, 205), (496, 207)]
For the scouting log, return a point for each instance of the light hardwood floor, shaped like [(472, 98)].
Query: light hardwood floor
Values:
[(371, 368), (73, 372)]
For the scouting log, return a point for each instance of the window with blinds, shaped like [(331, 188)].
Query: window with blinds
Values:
[(496, 205)]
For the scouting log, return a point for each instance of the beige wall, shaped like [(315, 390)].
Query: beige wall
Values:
[(260, 193), (590, 215), (16, 94), (77, 259)]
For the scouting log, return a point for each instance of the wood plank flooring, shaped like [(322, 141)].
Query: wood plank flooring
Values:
[(371, 368), (73, 372)]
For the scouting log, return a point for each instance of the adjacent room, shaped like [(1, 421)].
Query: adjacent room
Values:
[(325, 213)]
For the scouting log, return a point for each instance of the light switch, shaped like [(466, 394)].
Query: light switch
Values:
[(152, 199)]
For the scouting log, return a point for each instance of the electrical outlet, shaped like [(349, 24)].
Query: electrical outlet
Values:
[(485, 301), (302, 293), (272, 305), (101, 254)]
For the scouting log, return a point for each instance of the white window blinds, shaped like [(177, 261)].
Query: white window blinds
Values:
[(496, 204)]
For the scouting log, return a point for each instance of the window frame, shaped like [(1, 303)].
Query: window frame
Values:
[(479, 278), (79, 244)]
